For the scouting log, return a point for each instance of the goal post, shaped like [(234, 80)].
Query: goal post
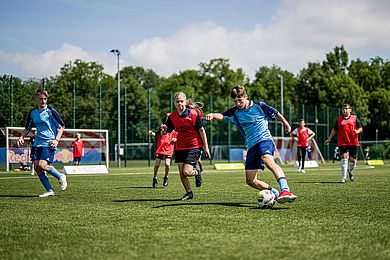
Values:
[(95, 141)]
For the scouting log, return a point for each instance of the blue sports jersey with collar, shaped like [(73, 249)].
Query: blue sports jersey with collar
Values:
[(252, 122), (47, 121)]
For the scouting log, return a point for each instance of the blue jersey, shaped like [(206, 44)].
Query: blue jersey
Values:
[(252, 122), (47, 121)]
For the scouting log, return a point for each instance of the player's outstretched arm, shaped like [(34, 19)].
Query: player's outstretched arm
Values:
[(214, 116), (287, 126), (332, 133)]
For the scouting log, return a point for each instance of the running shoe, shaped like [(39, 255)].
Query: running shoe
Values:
[(286, 196), (165, 181), (47, 194)]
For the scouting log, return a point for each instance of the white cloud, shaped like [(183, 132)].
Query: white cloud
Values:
[(44, 64), (301, 31)]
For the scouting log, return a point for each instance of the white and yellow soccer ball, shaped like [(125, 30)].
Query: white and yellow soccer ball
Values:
[(266, 199)]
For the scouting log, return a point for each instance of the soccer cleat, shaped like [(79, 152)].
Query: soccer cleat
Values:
[(198, 178), (286, 196), (165, 181), (155, 183), (303, 171), (63, 182), (188, 196), (351, 177), (47, 194), (342, 180), (299, 169)]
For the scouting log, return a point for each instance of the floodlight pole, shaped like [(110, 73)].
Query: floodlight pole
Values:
[(117, 53), (280, 76)]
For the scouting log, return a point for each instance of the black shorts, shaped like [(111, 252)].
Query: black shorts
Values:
[(351, 149), (188, 156), (163, 156), (77, 159)]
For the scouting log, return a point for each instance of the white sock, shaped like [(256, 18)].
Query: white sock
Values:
[(352, 166), (344, 168)]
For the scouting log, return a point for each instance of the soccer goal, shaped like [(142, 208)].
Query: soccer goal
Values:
[(95, 152), (287, 149)]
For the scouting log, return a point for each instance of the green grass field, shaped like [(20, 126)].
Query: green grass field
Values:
[(119, 216)]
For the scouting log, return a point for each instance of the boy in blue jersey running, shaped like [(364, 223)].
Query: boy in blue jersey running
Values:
[(49, 127), (251, 118)]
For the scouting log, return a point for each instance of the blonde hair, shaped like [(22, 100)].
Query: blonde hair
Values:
[(238, 92), (189, 102)]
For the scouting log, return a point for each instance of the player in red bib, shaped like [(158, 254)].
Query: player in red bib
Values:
[(78, 149), (304, 135), (165, 148), (348, 127), (191, 140)]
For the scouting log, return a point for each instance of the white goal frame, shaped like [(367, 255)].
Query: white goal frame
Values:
[(68, 136)]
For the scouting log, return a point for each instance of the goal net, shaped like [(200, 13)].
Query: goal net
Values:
[(95, 152), (287, 150)]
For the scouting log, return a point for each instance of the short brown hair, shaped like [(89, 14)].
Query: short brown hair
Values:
[(41, 91), (238, 92), (346, 105)]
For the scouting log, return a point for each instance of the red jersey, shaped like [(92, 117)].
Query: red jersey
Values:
[(78, 146), (346, 128), (165, 145), (187, 126), (303, 134)]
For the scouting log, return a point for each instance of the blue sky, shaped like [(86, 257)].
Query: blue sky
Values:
[(37, 37)]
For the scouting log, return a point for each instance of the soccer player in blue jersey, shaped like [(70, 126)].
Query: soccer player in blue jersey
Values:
[(49, 127), (251, 118)]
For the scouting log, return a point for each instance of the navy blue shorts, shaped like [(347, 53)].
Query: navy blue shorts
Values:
[(253, 157), (188, 156), (43, 153)]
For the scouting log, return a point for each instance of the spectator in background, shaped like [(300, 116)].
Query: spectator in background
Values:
[(367, 153), (348, 127), (304, 135), (78, 149), (165, 148), (336, 154)]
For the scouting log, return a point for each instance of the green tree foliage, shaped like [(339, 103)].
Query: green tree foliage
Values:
[(86, 97)]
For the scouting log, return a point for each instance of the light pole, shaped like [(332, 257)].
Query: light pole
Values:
[(280, 76), (117, 53)]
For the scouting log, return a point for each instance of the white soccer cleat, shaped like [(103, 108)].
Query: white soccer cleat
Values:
[(47, 194), (303, 171), (342, 180), (63, 182)]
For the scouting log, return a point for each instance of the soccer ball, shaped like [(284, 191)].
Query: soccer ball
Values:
[(266, 199)]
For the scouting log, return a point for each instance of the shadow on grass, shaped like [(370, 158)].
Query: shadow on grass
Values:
[(148, 187), (318, 182), (18, 196), (144, 200), (226, 204)]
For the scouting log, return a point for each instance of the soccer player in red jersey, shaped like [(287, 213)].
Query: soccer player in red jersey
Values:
[(165, 148), (78, 149), (304, 135), (191, 139), (348, 127)]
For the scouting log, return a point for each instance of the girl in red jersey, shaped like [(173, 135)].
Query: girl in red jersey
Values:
[(78, 149), (304, 135), (191, 139), (348, 127), (165, 148)]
